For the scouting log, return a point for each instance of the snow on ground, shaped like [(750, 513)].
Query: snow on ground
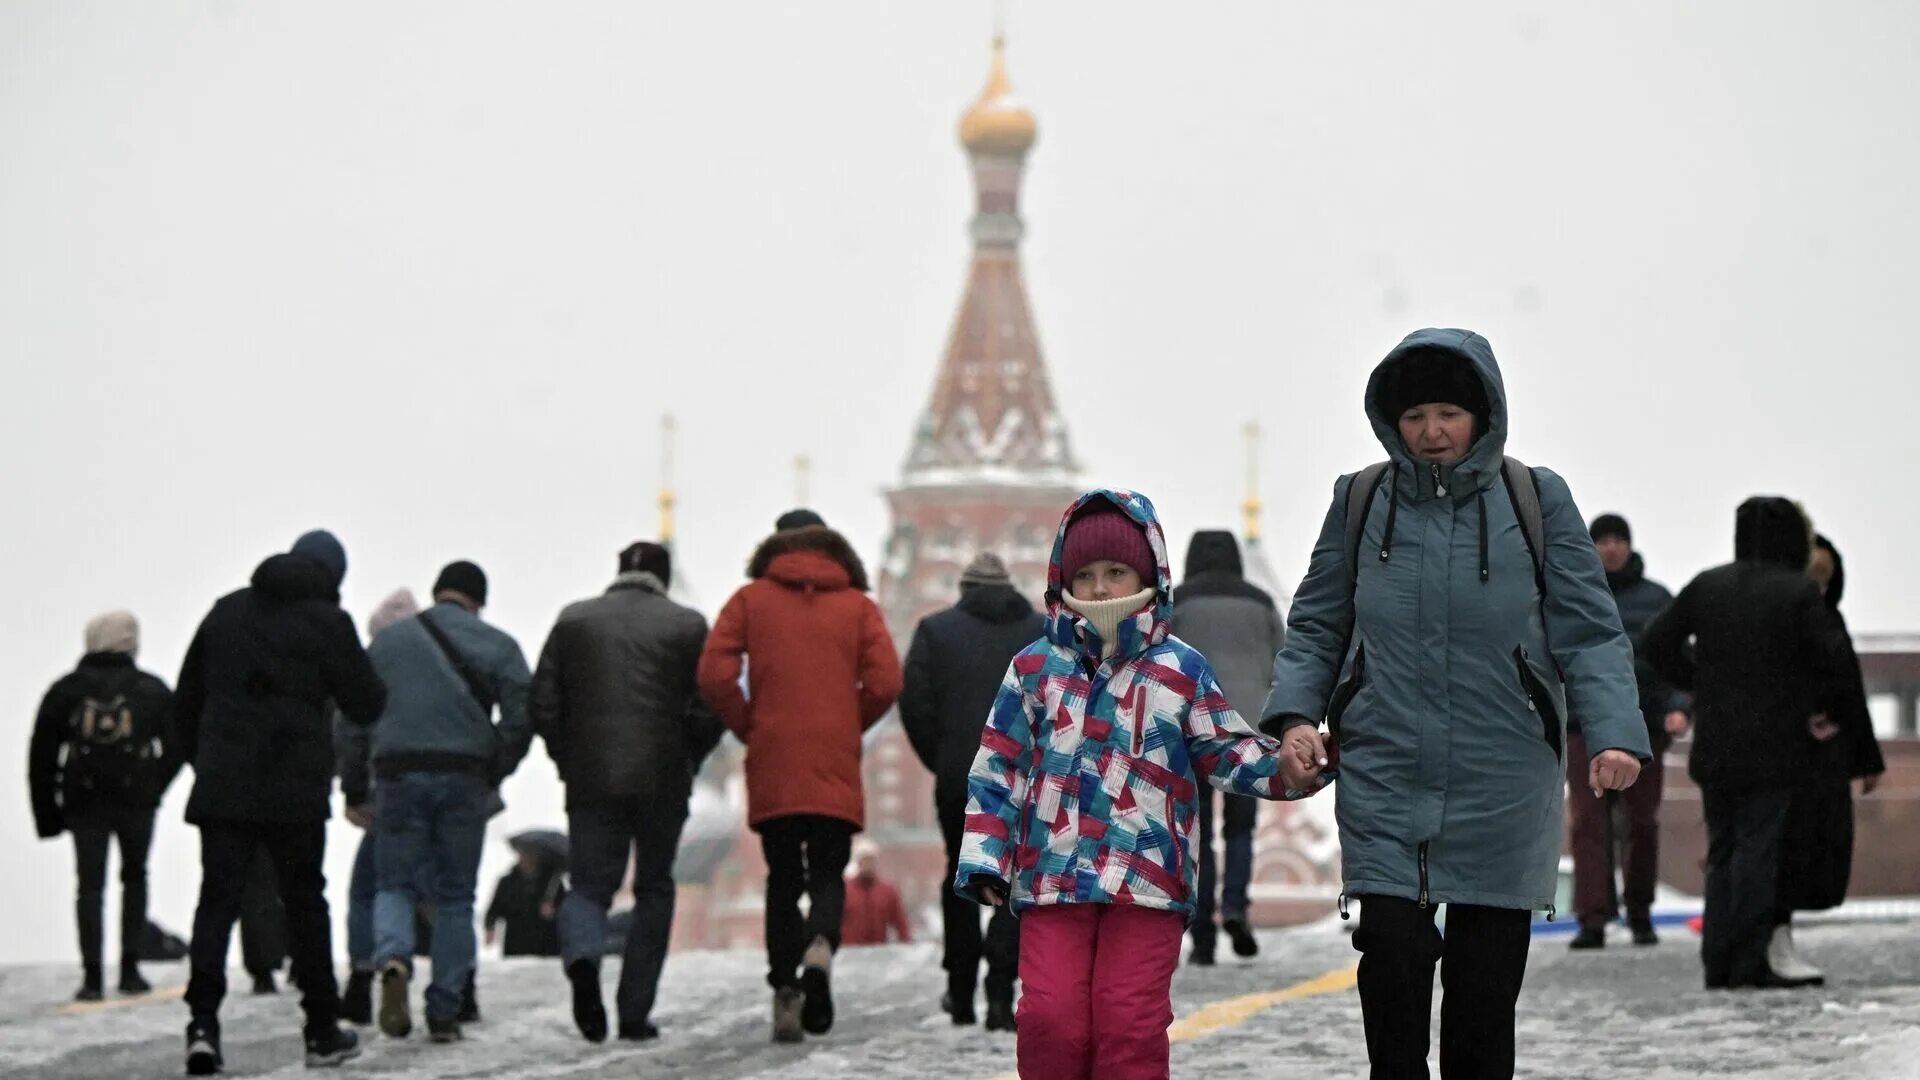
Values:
[(1620, 1012)]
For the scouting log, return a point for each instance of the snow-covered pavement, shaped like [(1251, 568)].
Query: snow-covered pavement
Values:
[(1621, 1012)]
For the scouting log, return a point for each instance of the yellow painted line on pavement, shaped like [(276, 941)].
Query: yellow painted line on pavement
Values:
[(1230, 1012), (82, 1008)]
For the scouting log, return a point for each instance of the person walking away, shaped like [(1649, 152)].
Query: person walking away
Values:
[(1762, 655), (617, 700), (953, 671), (874, 908), (263, 925), (821, 670), (1084, 797), (1664, 709), (527, 902), (253, 710), (437, 756), (1237, 627), (101, 756), (1816, 850), (1453, 615), (356, 785)]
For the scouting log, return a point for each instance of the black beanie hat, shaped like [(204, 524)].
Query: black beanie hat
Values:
[(1434, 375), (645, 557), (1610, 525), (797, 519), (464, 578)]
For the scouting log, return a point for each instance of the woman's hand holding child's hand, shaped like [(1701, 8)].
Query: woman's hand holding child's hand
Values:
[(1303, 756)]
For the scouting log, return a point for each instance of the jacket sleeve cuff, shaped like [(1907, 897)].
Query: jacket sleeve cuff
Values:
[(1277, 726), (973, 885)]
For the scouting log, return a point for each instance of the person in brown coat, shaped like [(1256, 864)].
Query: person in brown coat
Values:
[(821, 670)]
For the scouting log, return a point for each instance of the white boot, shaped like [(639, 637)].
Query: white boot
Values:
[(1785, 960)]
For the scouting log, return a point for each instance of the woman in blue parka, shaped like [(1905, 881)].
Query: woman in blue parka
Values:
[(1444, 659)]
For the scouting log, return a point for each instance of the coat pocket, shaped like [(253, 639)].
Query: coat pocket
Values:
[(1344, 694), (1539, 702)]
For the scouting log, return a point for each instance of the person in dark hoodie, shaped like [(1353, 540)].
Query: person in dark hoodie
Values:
[(1665, 711), (821, 670), (1764, 659), (1816, 854), (254, 713), (102, 755), (1236, 625), (955, 664)]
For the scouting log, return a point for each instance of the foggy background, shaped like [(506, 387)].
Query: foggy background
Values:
[(428, 274)]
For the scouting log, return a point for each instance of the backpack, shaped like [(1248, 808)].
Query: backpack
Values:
[(1523, 489), (102, 753)]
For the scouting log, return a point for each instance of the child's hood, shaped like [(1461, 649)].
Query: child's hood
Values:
[(1066, 626)]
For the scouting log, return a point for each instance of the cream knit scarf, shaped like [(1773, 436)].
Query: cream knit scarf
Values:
[(1107, 615)]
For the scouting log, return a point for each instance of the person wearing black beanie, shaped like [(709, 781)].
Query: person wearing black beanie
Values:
[(646, 557), (800, 518), (465, 579)]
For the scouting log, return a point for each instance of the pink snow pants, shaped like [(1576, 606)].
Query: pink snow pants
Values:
[(1096, 984)]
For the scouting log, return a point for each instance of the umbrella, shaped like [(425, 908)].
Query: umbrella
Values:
[(550, 843)]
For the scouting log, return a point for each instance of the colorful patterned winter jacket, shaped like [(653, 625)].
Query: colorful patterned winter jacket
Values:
[(1085, 788)]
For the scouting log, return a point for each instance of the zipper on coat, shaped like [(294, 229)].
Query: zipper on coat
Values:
[(1343, 907), (1549, 723), (1551, 912), (1423, 876), (1439, 485)]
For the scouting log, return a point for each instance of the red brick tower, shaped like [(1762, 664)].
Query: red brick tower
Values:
[(988, 467)]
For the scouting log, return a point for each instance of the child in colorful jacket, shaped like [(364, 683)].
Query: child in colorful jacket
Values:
[(1083, 797)]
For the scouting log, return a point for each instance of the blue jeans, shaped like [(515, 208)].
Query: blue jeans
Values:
[(599, 839), (431, 826), (361, 890)]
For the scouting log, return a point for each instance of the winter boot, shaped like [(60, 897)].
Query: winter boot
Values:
[(203, 1048), (470, 1000), (331, 1046), (356, 1003), (92, 984), (1244, 943), (1643, 933), (130, 980), (443, 1031), (957, 1002), (788, 1001), (644, 1031), (396, 1012), (1785, 960), (816, 979), (589, 1012), (1589, 937), (999, 1013), (1201, 956)]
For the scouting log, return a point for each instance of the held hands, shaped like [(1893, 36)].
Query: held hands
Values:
[(1612, 770), (1821, 728), (992, 890), (1302, 756), (1677, 723)]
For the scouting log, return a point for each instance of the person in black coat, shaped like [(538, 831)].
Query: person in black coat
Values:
[(527, 900), (254, 713), (1816, 859), (617, 700), (954, 667), (1764, 658), (102, 755)]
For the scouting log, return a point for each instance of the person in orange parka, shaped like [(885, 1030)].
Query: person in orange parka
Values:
[(874, 907), (821, 670)]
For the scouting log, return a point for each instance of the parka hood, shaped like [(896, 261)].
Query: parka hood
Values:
[(1482, 462), (1772, 529), (814, 556), (1149, 628)]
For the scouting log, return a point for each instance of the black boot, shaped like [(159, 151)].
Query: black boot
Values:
[(130, 980), (958, 1003), (331, 1046), (1643, 933), (1244, 943), (203, 1048), (816, 979), (470, 1000), (589, 1012), (999, 1012), (1589, 937), (92, 984), (643, 1031), (356, 1002)]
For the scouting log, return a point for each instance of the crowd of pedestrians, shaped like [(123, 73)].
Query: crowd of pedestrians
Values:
[(1463, 650)]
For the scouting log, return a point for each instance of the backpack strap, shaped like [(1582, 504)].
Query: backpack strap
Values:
[(1360, 491), (1523, 488), (475, 684)]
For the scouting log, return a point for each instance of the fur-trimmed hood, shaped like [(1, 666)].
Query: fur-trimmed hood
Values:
[(804, 557)]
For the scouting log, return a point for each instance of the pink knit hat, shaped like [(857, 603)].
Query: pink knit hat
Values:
[(1104, 531)]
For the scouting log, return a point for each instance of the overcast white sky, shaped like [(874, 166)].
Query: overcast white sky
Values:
[(428, 274)]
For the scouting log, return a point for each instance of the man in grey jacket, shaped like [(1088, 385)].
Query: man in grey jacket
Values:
[(438, 755), (1236, 625), (617, 700)]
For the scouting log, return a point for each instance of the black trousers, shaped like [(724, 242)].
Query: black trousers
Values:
[(1482, 958), (806, 854), (965, 947), (602, 837), (263, 921), (1743, 875), (227, 852), (92, 835)]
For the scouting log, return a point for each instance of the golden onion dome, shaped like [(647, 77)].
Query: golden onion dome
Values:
[(997, 122)]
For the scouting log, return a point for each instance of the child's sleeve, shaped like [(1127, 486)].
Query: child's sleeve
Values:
[(997, 788), (1226, 752)]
